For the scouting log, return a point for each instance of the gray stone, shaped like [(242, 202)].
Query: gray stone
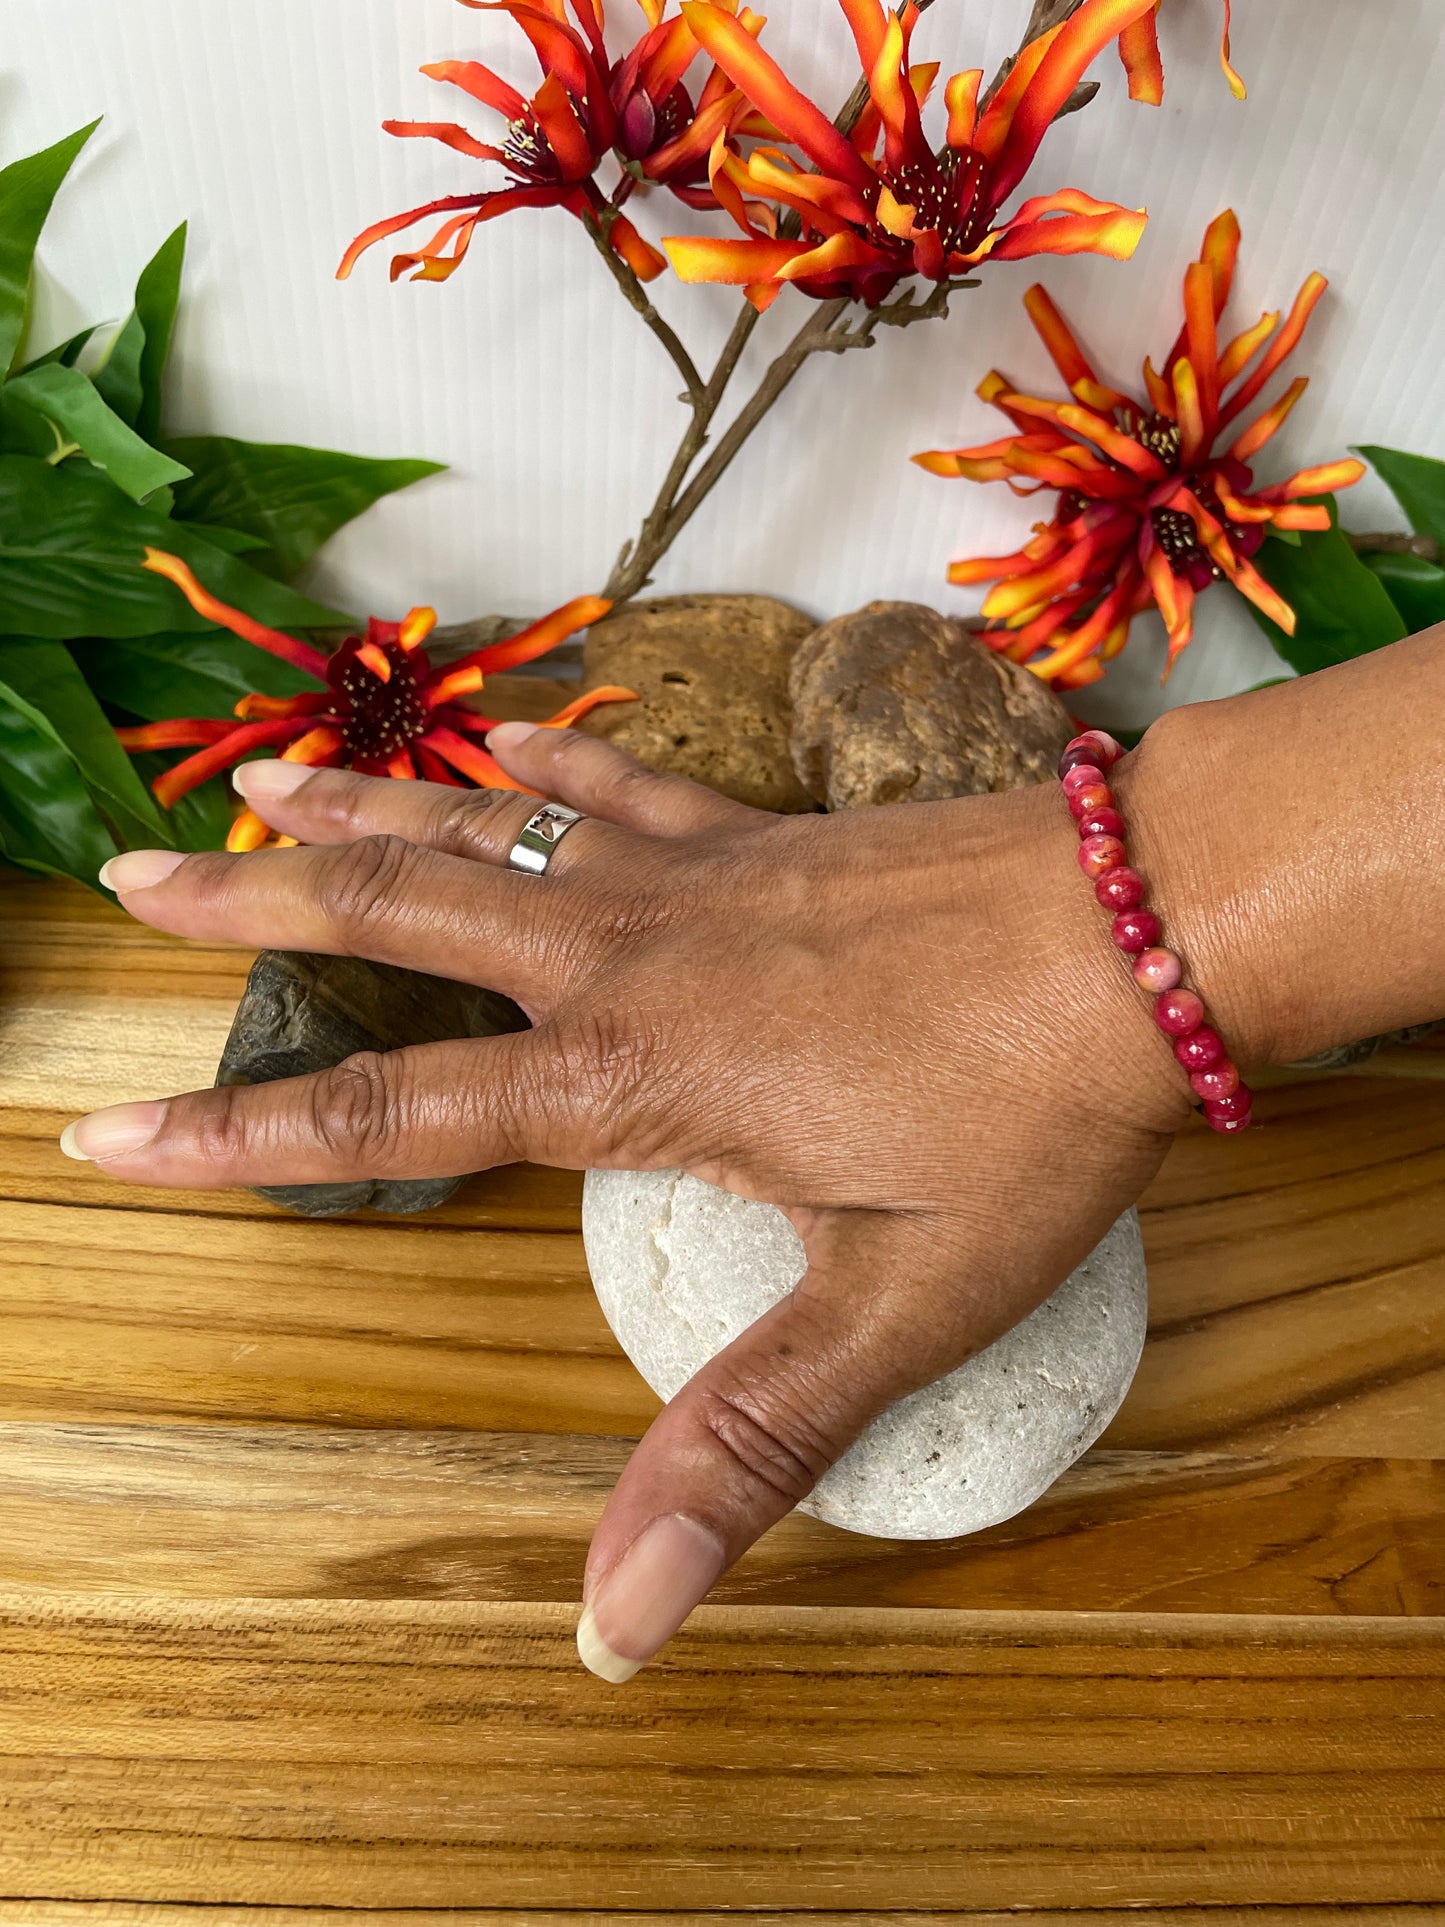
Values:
[(681, 1268), (301, 1014)]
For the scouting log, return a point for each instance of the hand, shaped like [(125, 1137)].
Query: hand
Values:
[(906, 1027)]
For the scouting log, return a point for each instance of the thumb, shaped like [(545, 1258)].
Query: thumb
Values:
[(753, 1431)]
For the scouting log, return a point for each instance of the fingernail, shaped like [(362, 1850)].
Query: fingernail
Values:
[(112, 1132), (640, 1604), (510, 735), (139, 869), (269, 781)]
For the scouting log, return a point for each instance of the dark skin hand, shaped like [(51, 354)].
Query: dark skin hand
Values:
[(906, 1027)]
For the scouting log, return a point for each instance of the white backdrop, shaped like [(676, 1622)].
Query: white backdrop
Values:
[(259, 122)]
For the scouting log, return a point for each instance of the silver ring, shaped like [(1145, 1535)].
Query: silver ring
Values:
[(541, 834)]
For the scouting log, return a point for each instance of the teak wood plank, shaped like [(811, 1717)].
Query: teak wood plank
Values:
[(440, 1754), (113, 1913), (285, 1512)]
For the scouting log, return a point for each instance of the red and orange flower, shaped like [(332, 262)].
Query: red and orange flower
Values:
[(882, 205), (588, 107), (383, 708), (1148, 512), (1139, 51)]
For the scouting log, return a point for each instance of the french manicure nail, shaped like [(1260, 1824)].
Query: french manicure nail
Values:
[(666, 1571), (139, 869), (112, 1132), (510, 735), (269, 781)]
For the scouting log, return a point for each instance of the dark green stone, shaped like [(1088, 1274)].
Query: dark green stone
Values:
[(302, 1014)]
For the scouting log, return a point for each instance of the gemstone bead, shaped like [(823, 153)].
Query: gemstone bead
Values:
[(1158, 970), (1178, 1012), (1239, 1103), (1135, 930), (1081, 774), (1219, 1081), (1120, 889), (1100, 853), (1103, 822), (1088, 798), (1227, 1124), (1201, 1049), (1072, 758), (1101, 742)]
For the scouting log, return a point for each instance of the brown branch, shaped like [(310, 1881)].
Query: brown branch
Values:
[(1389, 542), (635, 294)]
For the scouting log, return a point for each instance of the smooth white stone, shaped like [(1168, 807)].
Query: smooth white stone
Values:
[(681, 1268)]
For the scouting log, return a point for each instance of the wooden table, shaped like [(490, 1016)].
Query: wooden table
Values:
[(292, 1518)]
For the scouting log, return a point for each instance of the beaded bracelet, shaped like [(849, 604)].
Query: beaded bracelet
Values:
[(1179, 1013)]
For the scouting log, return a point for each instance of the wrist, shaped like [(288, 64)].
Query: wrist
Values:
[(1290, 839)]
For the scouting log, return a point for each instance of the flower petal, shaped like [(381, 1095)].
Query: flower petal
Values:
[(1115, 232), (1283, 345), (768, 87), (1249, 441), (1322, 480), (471, 760), (584, 704), (448, 133), (738, 263), (1139, 51), (960, 96), (538, 637), (394, 223), (299, 654), (481, 83), (190, 732), (1236, 85), (625, 242), (230, 748), (1078, 41)]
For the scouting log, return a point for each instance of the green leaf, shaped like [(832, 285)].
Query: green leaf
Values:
[(45, 674), (293, 499), (1417, 484), (1341, 609), (159, 678), (66, 352), (201, 818), (1415, 586), (131, 375), (47, 819), (27, 189), (81, 415), (233, 541), (72, 553)]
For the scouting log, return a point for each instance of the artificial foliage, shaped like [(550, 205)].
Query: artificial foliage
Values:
[(89, 636)]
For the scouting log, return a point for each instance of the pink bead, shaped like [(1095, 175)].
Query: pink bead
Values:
[(1228, 1124), (1158, 970), (1135, 930), (1081, 774), (1072, 758), (1178, 1012), (1201, 1049), (1120, 889), (1101, 742), (1088, 798), (1219, 1081), (1238, 1104), (1104, 822), (1100, 853)]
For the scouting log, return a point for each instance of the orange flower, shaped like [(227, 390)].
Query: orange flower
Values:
[(1139, 51), (1148, 513), (383, 708), (588, 106), (873, 216)]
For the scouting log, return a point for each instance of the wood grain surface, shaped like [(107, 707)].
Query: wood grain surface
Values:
[(292, 1520)]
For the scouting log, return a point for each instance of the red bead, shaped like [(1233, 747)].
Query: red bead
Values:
[(1158, 970), (1104, 822), (1121, 889), (1081, 774), (1238, 1104), (1178, 1012), (1227, 1124), (1088, 798), (1072, 758), (1201, 1049), (1100, 853), (1101, 742), (1135, 930), (1219, 1081)]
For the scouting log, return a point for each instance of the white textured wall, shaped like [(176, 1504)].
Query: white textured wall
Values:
[(527, 374)]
